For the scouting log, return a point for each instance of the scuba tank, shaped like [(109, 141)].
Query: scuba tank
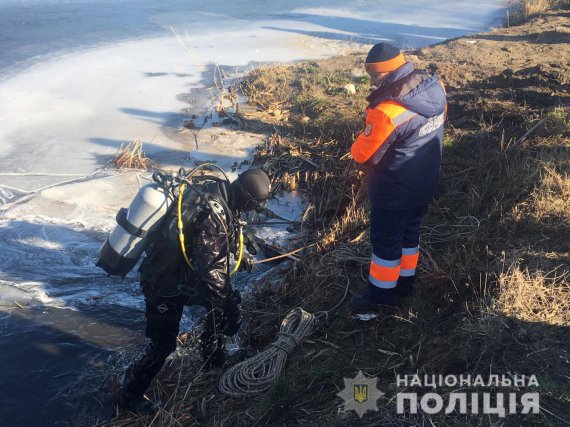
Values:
[(137, 225), (134, 229)]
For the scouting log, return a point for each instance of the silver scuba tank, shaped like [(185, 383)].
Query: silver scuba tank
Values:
[(134, 230)]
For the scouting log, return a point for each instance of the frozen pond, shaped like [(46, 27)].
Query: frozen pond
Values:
[(79, 78)]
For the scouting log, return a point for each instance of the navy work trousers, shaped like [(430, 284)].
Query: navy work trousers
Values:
[(395, 237)]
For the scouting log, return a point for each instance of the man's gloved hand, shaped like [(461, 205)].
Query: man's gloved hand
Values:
[(246, 263), (231, 317)]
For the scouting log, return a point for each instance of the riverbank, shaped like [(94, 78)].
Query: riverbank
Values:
[(493, 291)]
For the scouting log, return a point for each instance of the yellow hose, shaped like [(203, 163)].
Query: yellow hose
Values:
[(240, 253), (181, 227), (181, 235)]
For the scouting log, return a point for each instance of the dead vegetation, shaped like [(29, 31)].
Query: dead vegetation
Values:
[(493, 293), (526, 9), (131, 156)]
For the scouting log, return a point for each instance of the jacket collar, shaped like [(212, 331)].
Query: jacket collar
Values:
[(383, 91)]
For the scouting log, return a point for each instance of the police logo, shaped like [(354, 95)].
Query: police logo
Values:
[(360, 394), (162, 308), (368, 129)]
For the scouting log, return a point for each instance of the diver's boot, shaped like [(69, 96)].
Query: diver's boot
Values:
[(137, 405), (131, 395)]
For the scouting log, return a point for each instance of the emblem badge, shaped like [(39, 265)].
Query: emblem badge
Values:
[(360, 394), (162, 308), (368, 129)]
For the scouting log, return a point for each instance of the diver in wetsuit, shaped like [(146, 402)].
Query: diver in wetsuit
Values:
[(171, 279)]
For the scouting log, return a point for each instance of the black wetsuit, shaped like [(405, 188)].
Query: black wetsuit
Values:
[(169, 283)]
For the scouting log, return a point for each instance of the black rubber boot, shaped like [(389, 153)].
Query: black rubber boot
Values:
[(373, 299), (138, 405), (405, 287), (137, 378)]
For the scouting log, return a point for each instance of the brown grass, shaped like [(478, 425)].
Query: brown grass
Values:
[(534, 297), (534, 7), (131, 156), (525, 9)]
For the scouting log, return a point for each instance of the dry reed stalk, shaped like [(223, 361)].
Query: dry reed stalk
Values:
[(534, 7), (131, 156)]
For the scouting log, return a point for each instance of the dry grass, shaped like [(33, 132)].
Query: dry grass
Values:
[(525, 9), (131, 156), (534, 7), (534, 297)]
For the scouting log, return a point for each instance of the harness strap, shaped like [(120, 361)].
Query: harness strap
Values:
[(130, 228)]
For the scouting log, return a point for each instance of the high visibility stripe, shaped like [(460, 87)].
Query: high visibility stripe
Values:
[(380, 124), (381, 284), (404, 272), (411, 251), (403, 118), (410, 257), (392, 109), (385, 262), (384, 273)]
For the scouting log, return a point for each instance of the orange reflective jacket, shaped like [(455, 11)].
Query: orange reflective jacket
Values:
[(402, 139)]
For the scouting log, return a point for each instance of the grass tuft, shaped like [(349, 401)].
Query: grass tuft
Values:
[(131, 156)]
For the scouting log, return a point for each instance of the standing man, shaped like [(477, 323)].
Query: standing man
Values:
[(401, 149), (199, 275)]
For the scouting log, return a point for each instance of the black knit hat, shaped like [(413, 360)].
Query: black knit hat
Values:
[(384, 58), (250, 190)]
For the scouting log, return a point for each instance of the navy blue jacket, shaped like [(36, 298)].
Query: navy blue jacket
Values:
[(402, 142)]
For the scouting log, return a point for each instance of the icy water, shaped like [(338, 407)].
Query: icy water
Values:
[(78, 78)]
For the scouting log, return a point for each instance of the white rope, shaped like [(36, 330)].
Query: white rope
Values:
[(257, 374)]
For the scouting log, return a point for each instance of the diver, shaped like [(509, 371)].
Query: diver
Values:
[(193, 269)]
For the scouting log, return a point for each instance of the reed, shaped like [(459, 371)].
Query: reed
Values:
[(131, 156)]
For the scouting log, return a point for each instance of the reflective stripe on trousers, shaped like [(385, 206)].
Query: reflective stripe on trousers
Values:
[(384, 273), (409, 263)]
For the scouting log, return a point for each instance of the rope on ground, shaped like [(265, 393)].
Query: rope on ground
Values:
[(257, 374), (293, 252), (445, 232), (344, 253)]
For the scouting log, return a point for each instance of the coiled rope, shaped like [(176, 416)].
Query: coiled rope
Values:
[(256, 375)]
